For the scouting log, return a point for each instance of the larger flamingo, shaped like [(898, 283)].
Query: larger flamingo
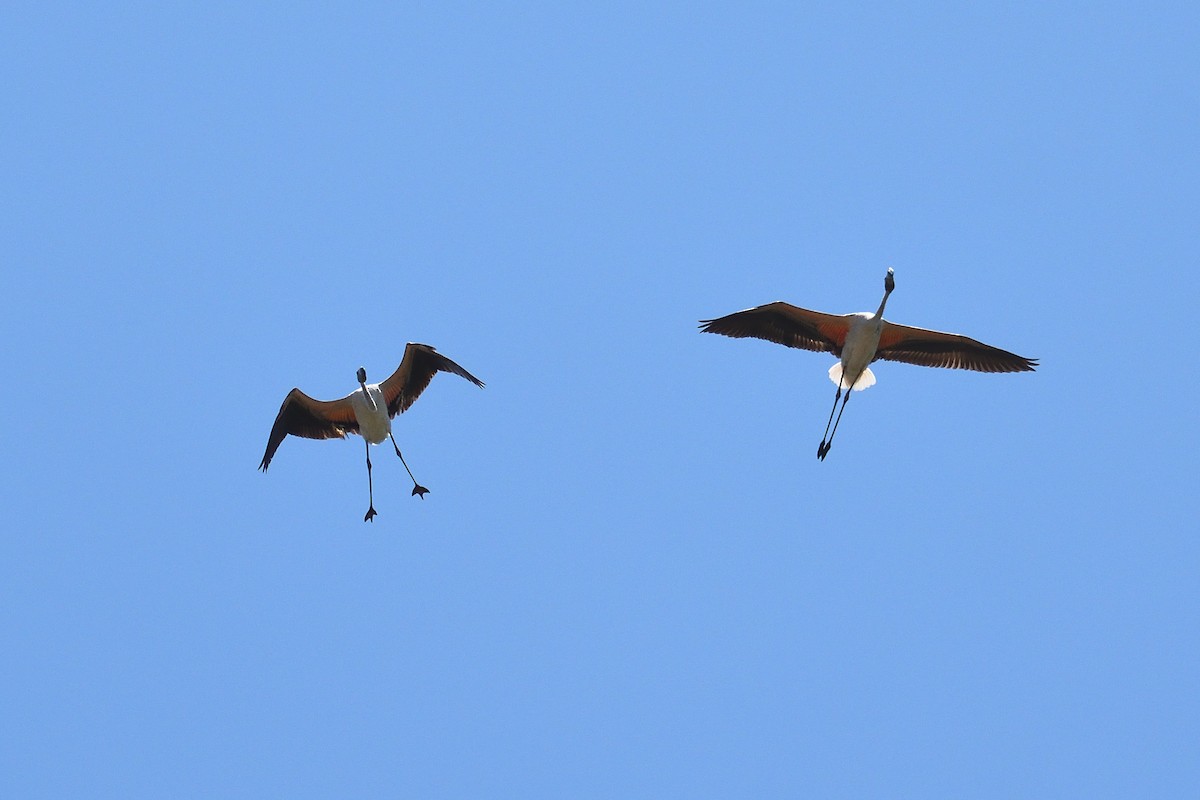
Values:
[(857, 340)]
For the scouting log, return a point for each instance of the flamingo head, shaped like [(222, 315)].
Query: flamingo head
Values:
[(362, 375)]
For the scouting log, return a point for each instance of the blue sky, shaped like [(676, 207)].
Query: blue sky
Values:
[(631, 578)]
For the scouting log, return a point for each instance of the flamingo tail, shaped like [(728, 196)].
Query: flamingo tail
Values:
[(865, 380)]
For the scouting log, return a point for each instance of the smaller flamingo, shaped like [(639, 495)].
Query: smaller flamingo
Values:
[(367, 411)]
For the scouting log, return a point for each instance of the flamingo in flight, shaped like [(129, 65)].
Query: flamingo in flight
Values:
[(367, 411), (857, 340)]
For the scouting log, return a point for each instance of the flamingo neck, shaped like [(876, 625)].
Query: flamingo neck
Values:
[(882, 303)]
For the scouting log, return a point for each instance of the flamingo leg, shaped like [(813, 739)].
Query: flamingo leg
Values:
[(822, 449), (418, 489), (370, 489)]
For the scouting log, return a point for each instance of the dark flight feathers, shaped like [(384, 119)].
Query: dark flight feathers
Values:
[(927, 348), (814, 330), (784, 324), (420, 363)]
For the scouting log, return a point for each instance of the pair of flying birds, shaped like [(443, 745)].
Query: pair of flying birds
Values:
[(856, 339)]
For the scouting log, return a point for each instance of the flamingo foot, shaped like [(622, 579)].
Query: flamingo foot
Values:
[(420, 491), (370, 515), (823, 450)]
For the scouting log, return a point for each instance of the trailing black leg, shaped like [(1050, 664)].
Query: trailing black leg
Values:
[(823, 448), (829, 444), (418, 489)]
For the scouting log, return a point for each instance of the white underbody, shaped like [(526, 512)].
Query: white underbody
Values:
[(371, 412), (858, 351)]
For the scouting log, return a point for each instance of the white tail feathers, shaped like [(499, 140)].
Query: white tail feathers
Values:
[(865, 380)]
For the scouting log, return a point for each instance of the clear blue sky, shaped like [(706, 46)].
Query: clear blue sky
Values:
[(632, 577)]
